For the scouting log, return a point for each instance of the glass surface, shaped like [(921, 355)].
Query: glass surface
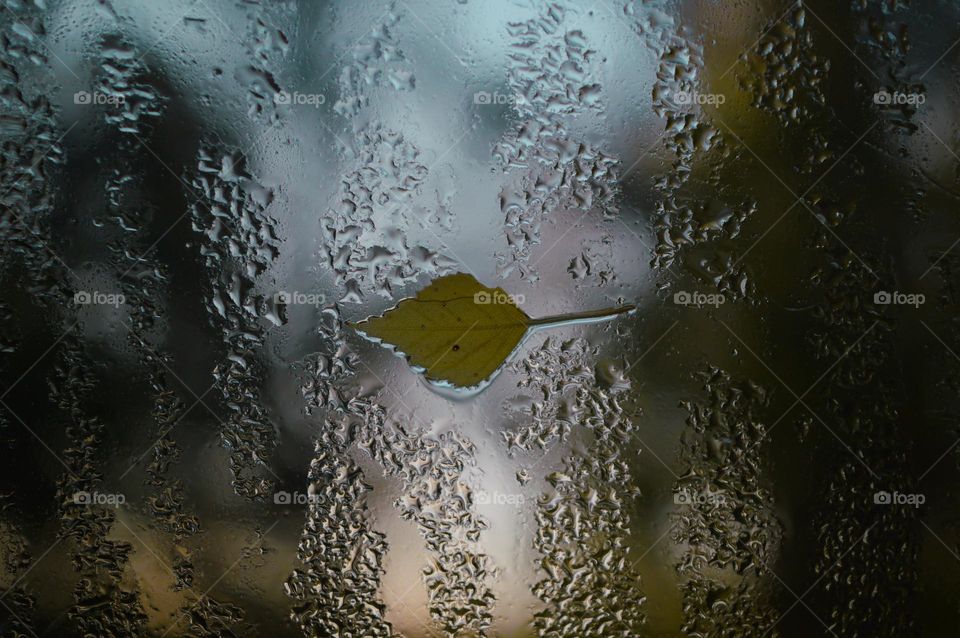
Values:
[(199, 199)]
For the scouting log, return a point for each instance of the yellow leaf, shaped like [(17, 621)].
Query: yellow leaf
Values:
[(460, 332)]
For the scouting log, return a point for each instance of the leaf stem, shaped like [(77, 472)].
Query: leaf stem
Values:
[(596, 315)]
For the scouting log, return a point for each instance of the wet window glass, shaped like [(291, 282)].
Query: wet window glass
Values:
[(572, 319)]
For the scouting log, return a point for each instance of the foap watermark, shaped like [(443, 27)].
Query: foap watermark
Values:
[(97, 498), (895, 298), (898, 98), (93, 98), (485, 97), (698, 299), (692, 497), (898, 498), (297, 298), (689, 98), (294, 498), (97, 298), (498, 498), (485, 298), (296, 98)]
